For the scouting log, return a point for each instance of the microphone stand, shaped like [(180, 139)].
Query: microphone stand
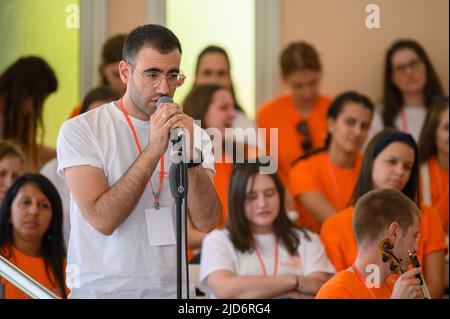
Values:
[(178, 181)]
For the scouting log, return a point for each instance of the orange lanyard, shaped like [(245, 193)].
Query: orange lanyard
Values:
[(360, 277), (261, 261), (404, 121), (157, 194)]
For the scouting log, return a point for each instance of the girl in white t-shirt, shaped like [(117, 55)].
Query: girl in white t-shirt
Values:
[(261, 253), (409, 88)]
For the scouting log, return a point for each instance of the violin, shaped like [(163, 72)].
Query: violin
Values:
[(385, 248)]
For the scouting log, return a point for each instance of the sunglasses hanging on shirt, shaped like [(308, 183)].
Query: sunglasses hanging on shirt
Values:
[(303, 129)]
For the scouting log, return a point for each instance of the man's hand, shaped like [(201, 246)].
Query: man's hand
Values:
[(407, 286), (167, 117), (161, 123)]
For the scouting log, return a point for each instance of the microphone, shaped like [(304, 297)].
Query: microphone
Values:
[(176, 133)]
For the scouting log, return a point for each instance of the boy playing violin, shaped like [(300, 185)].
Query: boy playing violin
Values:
[(386, 227)]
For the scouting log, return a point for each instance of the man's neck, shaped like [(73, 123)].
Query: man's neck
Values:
[(370, 256), (341, 158), (443, 160), (132, 109), (414, 99)]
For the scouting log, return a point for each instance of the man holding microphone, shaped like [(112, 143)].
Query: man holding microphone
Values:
[(115, 160)]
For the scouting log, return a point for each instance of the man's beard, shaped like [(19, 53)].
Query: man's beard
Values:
[(141, 105)]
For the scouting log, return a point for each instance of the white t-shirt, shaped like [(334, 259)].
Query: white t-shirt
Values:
[(122, 265), (49, 171), (414, 115), (218, 253)]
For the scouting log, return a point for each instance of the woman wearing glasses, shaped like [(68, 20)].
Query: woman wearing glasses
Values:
[(261, 253), (322, 181), (410, 84)]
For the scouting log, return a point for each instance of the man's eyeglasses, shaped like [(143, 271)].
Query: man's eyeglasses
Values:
[(154, 78), (413, 65), (303, 129)]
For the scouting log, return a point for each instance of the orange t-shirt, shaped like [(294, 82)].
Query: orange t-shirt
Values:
[(340, 243), (281, 113), (318, 174), (439, 190), (33, 267), (221, 181), (347, 285)]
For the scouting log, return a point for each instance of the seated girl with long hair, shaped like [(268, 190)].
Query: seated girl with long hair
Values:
[(261, 253)]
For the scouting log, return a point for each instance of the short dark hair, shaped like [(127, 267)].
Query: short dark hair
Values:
[(52, 243), (377, 209), (238, 224), (299, 56), (154, 35)]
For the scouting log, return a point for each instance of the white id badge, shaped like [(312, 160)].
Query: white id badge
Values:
[(160, 226)]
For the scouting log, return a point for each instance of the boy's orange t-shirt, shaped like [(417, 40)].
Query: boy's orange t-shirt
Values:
[(347, 285), (340, 243), (281, 113), (318, 174), (33, 267)]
